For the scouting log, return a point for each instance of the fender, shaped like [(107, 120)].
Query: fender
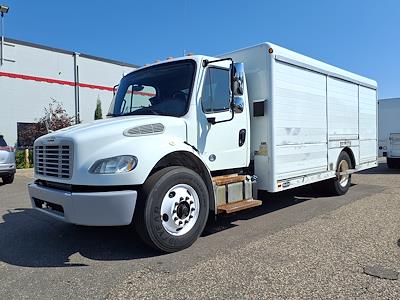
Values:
[(192, 160)]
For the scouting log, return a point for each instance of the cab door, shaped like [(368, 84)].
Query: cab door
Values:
[(223, 145)]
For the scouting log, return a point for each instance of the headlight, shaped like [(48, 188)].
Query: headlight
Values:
[(112, 165)]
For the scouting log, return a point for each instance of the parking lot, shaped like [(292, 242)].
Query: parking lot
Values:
[(297, 245)]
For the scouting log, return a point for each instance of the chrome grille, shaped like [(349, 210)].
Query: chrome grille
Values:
[(54, 160)]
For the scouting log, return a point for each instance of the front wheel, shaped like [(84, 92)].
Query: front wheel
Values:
[(172, 209), (8, 179)]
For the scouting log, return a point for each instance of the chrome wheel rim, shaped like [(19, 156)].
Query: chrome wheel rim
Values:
[(343, 167), (180, 209)]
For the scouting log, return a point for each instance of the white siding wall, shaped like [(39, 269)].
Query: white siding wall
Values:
[(97, 73), (23, 99)]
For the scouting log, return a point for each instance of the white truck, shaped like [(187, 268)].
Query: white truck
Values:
[(389, 131), (192, 137)]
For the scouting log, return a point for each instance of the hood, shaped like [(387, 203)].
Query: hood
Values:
[(112, 128)]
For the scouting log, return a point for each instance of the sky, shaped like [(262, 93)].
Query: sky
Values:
[(362, 36)]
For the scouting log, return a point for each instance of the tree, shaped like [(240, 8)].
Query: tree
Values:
[(98, 114), (56, 117)]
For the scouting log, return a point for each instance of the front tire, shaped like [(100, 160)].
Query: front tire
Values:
[(8, 179), (172, 209)]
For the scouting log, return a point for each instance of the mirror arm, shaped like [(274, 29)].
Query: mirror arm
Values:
[(206, 62), (213, 122)]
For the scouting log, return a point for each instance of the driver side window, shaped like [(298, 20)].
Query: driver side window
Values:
[(216, 92)]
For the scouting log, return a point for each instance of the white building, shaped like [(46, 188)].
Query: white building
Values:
[(32, 75)]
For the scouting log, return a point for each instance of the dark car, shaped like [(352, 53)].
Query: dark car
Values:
[(7, 161)]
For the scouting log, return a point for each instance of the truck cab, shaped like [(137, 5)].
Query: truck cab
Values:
[(170, 126)]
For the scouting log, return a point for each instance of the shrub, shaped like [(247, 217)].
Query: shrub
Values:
[(98, 114), (20, 159)]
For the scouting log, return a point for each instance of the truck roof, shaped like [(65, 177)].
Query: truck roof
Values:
[(298, 59), (390, 99), (196, 58)]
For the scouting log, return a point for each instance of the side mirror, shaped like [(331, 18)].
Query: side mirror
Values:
[(238, 104), (237, 79), (237, 87)]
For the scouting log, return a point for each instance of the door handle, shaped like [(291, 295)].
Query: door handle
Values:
[(242, 137)]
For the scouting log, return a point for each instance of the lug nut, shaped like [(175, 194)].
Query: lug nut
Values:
[(181, 199), (190, 216), (191, 202), (187, 198), (171, 194), (176, 203), (193, 209), (186, 221), (180, 222), (176, 219), (174, 211)]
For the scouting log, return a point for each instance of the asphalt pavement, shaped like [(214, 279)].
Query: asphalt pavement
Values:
[(298, 244)]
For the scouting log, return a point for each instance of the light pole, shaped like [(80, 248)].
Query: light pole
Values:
[(3, 10)]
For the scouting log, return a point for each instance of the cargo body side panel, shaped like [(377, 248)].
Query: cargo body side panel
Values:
[(367, 128), (300, 121), (313, 111), (389, 112), (342, 119)]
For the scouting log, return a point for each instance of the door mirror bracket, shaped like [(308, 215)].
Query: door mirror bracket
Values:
[(237, 90)]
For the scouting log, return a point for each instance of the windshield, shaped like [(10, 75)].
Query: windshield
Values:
[(160, 90)]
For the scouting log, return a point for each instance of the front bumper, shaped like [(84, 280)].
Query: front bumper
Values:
[(7, 169), (114, 208)]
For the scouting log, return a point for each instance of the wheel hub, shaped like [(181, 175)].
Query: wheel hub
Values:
[(343, 167), (183, 209), (180, 209)]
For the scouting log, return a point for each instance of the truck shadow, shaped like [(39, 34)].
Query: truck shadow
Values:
[(382, 168), (271, 202), (30, 239)]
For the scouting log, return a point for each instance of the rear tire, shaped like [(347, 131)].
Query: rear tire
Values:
[(340, 184), (8, 179), (172, 209), (393, 163)]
